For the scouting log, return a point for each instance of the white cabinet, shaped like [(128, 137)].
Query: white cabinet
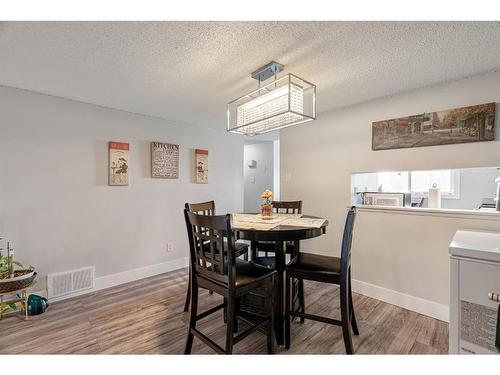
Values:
[(475, 280)]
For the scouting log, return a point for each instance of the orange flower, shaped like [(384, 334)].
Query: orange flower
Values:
[(267, 194)]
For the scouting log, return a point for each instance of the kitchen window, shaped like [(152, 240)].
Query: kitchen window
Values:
[(448, 180), (416, 182)]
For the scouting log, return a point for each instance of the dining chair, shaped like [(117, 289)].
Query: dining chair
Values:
[(326, 269), (208, 208), (269, 250), (226, 275)]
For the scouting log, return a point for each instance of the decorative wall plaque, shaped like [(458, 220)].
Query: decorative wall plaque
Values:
[(201, 161), (164, 160), (118, 164)]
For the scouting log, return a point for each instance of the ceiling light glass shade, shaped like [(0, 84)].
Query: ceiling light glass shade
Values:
[(287, 101)]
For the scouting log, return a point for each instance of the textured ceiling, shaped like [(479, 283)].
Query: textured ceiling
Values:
[(188, 71)]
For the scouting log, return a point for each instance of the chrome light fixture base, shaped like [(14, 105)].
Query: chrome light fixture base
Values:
[(286, 101), (267, 71)]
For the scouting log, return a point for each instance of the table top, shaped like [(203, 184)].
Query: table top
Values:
[(482, 245), (282, 232)]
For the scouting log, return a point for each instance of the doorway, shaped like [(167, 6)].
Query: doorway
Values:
[(260, 172)]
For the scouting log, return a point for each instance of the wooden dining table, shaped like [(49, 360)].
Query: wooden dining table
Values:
[(280, 234)]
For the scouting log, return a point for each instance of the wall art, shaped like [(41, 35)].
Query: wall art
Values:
[(118, 164), (164, 160), (468, 124), (201, 161)]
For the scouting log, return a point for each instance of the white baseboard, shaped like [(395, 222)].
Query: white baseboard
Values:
[(406, 301), (109, 281), (124, 277)]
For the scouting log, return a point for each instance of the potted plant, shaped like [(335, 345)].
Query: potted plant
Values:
[(266, 209), (11, 279)]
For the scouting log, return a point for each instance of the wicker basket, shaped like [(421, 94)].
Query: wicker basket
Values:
[(21, 280)]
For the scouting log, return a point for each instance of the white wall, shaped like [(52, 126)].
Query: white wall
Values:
[(56, 207), (260, 178), (277, 170), (397, 253)]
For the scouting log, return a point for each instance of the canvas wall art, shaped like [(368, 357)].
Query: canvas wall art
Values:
[(118, 164), (164, 160), (201, 161), (461, 125)]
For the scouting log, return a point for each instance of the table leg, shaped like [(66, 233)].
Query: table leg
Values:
[(253, 250), (279, 311)]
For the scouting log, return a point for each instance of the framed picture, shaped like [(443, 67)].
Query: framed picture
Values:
[(118, 164), (461, 125), (201, 161), (164, 160)]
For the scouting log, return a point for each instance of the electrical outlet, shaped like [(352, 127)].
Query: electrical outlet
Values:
[(170, 247)]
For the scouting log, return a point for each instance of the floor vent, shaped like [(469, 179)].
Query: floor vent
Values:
[(64, 283)]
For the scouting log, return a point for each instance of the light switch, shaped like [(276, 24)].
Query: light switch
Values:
[(252, 180), (288, 177)]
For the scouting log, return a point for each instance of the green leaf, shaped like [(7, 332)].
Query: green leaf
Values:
[(6, 306)]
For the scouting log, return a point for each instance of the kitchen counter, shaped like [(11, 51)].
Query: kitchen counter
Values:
[(483, 213)]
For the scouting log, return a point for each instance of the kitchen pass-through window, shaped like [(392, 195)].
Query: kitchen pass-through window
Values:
[(416, 182)]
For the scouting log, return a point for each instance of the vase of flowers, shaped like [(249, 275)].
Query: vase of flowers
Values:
[(266, 209)]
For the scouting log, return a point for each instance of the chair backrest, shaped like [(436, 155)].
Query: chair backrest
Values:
[(345, 256), (203, 208), (290, 207), (207, 235)]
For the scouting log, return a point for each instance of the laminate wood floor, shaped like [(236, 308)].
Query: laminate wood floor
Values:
[(146, 317)]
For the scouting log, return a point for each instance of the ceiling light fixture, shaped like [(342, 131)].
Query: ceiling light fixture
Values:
[(284, 102)]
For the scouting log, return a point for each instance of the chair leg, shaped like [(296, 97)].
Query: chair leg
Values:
[(270, 324), (231, 316), (236, 311), (224, 311), (344, 313), (288, 306), (188, 293), (301, 299), (354, 324), (192, 317)]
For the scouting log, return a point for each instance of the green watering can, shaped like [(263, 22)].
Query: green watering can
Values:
[(37, 304)]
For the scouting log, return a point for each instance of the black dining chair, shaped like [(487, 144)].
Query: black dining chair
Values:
[(332, 270), (226, 275), (268, 248), (208, 208), (269, 251)]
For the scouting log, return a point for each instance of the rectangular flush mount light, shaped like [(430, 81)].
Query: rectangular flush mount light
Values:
[(287, 101)]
